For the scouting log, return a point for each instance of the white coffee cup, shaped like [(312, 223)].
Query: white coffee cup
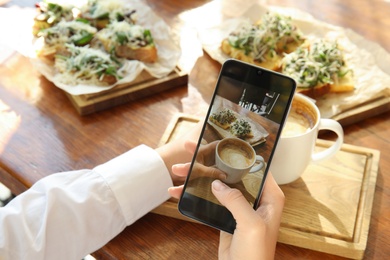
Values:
[(295, 149), (236, 158)]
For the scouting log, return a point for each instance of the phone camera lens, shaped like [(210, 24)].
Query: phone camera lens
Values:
[(259, 72)]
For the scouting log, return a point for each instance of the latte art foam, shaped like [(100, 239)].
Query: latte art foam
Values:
[(296, 124), (235, 158)]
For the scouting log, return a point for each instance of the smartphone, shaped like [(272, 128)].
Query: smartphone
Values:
[(237, 141)]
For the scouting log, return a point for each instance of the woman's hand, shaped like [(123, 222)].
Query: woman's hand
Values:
[(176, 152), (203, 166), (257, 231)]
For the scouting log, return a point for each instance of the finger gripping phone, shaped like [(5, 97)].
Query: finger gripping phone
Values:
[(237, 141)]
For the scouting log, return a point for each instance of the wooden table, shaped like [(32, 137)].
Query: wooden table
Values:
[(41, 133)]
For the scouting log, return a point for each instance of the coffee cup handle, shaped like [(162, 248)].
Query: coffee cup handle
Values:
[(334, 126), (259, 166)]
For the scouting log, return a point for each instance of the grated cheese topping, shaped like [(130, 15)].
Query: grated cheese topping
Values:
[(52, 12), (75, 32), (124, 33), (86, 65), (111, 9), (261, 41), (322, 63)]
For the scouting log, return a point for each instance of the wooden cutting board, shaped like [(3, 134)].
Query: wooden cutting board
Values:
[(144, 85), (365, 110), (328, 209)]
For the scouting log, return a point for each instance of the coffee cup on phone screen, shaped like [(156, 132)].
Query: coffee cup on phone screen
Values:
[(295, 149), (237, 158)]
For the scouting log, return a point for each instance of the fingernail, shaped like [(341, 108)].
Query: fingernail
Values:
[(175, 166), (218, 185), (222, 176)]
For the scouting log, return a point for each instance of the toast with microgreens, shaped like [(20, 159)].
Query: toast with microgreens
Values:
[(65, 32), (265, 42), (49, 14), (318, 67), (130, 41), (100, 13), (83, 65)]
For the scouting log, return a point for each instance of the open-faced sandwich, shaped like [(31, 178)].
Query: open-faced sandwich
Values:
[(230, 121), (223, 118), (318, 67), (87, 66), (55, 38), (101, 12), (130, 41), (241, 129), (49, 14), (98, 43), (265, 42)]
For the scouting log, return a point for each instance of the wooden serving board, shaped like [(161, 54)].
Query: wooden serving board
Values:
[(144, 85), (363, 111), (328, 209)]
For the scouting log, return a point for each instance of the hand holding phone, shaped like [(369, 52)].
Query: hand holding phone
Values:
[(205, 161), (238, 139), (257, 231)]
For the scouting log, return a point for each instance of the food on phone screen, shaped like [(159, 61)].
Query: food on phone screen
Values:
[(227, 122), (223, 118), (241, 129)]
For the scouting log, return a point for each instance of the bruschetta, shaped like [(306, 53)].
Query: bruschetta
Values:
[(49, 14), (55, 38), (319, 68), (223, 118), (263, 43), (82, 65), (130, 41), (101, 12), (241, 129)]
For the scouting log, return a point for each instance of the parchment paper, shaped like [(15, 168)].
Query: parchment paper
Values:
[(369, 61), (167, 46)]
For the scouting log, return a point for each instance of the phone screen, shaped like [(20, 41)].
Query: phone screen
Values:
[(249, 103)]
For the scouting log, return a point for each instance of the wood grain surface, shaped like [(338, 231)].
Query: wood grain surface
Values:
[(41, 133), (144, 85), (327, 209)]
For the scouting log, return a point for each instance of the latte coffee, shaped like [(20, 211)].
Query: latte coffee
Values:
[(296, 147), (300, 120), (236, 155), (236, 158)]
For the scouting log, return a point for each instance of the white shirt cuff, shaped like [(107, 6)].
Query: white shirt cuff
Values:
[(139, 180)]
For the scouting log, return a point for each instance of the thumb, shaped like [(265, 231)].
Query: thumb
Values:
[(234, 201), (175, 192)]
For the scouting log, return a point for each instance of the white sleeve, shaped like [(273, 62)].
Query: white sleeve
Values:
[(71, 214)]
